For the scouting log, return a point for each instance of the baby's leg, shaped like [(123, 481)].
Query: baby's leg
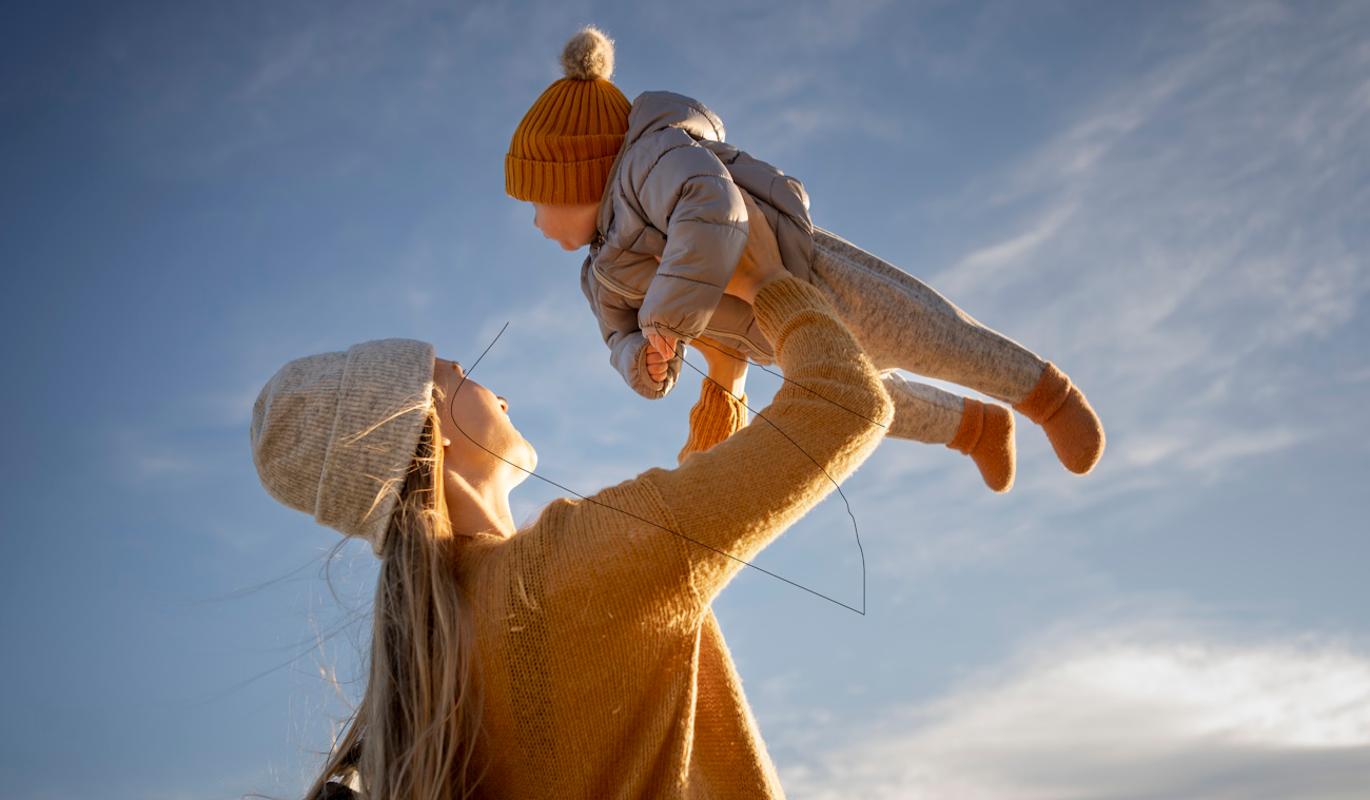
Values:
[(903, 322), (922, 413), (983, 431)]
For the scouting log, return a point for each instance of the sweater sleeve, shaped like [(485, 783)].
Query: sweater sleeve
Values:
[(716, 416), (829, 415)]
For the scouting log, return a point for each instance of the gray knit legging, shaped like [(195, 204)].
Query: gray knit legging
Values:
[(902, 323)]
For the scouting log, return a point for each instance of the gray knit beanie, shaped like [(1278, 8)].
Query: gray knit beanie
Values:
[(333, 434)]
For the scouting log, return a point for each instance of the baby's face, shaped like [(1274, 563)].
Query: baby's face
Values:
[(570, 226)]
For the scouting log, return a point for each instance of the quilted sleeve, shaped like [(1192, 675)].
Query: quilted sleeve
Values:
[(618, 325), (689, 194)]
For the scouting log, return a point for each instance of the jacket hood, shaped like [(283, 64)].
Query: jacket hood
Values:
[(652, 111)]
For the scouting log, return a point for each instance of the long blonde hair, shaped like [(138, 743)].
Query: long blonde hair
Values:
[(413, 735)]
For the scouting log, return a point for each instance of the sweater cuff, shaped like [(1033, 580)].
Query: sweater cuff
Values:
[(737, 406), (782, 299), (713, 419)]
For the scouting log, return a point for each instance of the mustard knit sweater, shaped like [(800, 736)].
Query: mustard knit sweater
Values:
[(604, 671)]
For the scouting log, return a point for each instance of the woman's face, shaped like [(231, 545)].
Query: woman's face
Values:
[(571, 226), (483, 439)]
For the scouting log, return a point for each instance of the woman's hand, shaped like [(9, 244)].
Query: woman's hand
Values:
[(760, 263)]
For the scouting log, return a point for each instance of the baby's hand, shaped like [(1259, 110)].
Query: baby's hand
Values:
[(660, 350), (656, 366)]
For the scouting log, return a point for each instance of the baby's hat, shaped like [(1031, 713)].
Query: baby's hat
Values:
[(563, 149)]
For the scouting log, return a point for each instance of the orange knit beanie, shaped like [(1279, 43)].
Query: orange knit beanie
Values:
[(563, 149)]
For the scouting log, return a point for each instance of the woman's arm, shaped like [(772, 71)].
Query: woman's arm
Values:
[(730, 501), (650, 553)]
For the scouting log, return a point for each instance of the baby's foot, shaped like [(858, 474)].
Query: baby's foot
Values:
[(986, 435), (1065, 415)]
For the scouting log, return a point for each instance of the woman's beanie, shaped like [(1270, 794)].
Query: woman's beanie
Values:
[(333, 434), (563, 149)]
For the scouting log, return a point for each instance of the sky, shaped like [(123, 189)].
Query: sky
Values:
[(1166, 199)]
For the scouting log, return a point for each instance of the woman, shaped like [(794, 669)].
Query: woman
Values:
[(579, 656)]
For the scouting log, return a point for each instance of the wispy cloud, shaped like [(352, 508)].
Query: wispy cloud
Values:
[(142, 457), (782, 87), (1168, 253), (1121, 715), (997, 264)]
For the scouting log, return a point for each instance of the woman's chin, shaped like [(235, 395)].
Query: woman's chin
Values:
[(525, 462)]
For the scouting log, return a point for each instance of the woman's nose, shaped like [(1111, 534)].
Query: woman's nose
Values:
[(504, 403)]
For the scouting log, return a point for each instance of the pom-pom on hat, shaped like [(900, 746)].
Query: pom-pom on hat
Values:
[(563, 149)]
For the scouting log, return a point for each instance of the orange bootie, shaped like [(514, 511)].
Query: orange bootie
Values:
[(986, 435), (1065, 415)]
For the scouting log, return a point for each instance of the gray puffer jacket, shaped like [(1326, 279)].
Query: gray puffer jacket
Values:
[(674, 193)]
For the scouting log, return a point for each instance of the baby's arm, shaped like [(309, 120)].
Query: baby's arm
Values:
[(689, 195), (628, 347), (727, 366), (760, 240)]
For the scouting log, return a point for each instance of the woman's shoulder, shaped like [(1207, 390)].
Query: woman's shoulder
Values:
[(615, 510)]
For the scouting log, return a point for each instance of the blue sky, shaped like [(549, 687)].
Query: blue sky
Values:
[(1167, 199)]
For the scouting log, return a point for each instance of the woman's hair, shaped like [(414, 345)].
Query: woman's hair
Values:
[(413, 735)]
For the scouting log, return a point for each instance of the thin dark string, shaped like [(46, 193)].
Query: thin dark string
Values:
[(697, 342), (451, 411), (855, 528)]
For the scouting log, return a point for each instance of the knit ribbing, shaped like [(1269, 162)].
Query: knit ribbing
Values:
[(714, 417), (563, 148)]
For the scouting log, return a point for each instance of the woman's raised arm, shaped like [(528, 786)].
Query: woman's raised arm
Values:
[(654, 550), (730, 501)]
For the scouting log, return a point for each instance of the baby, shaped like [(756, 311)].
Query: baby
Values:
[(669, 209)]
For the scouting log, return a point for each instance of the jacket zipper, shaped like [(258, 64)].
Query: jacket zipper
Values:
[(615, 285)]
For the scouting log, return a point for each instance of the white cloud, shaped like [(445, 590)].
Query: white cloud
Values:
[(140, 457), (1212, 453), (1186, 233), (229, 406), (1121, 716), (781, 90), (996, 262)]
